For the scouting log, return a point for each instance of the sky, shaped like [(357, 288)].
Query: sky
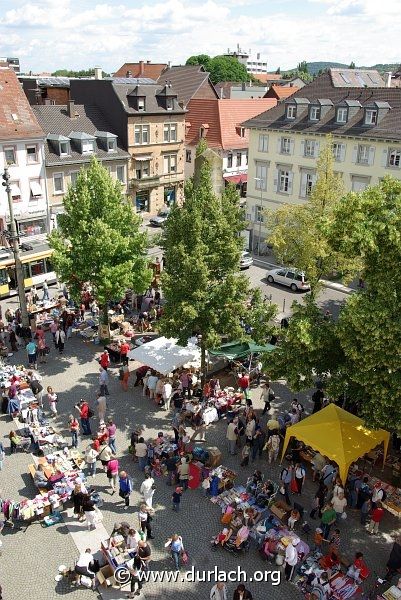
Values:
[(51, 34)]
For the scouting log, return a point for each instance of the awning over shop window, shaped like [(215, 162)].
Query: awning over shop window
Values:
[(143, 158), (236, 178)]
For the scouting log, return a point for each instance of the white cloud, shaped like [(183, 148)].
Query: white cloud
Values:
[(81, 34)]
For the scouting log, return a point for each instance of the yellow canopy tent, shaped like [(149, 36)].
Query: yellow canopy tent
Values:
[(339, 435)]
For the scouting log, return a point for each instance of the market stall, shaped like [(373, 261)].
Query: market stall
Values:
[(347, 441), (165, 355)]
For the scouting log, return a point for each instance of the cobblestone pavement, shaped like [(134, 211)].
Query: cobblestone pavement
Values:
[(30, 559)]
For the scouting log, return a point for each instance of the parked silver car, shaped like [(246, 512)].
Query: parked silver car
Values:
[(160, 218), (246, 260), (296, 280)]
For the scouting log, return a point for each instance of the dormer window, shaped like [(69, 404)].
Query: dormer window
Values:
[(141, 104), (204, 128), (370, 116), (169, 103), (111, 145), (314, 113), (240, 131), (64, 148), (341, 115), (291, 111), (87, 147)]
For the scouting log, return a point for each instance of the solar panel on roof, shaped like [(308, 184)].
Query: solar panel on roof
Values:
[(54, 81), (133, 80), (345, 77)]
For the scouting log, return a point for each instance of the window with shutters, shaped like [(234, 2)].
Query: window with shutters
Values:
[(263, 142), (363, 154), (308, 184), (394, 157), (309, 148), (338, 151), (284, 181), (261, 176), (285, 147)]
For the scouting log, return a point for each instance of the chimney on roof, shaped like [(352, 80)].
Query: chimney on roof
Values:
[(71, 109), (141, 68), (169, 64), (98, 73), (388, 79), (128, 74)]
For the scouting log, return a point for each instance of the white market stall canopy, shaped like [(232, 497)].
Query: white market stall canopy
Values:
[(164, 355)]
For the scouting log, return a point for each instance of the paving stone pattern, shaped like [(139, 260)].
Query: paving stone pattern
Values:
[(30, 559)]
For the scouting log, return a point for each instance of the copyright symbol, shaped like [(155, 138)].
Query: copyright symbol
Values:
[(122, 575)]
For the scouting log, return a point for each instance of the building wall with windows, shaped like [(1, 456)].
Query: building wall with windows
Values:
[(156, 144), (28, 186), (282, 167), (285, 142)]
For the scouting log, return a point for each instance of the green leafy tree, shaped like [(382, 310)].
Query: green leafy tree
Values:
[(298, 233), (368, 225), (204, 290), (98, 240), (201, 147), (352, 65), (221, 68), (302, 67), (278, 71), (258, 317), (200, 59), (309, 348), (82, 73)]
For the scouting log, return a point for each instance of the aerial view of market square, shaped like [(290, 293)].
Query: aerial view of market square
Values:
[(200, 236)]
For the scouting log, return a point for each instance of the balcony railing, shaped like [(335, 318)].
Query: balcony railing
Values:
[(143, 183)]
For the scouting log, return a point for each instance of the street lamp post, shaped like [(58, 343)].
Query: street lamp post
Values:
[(261, 180), (15, 244)]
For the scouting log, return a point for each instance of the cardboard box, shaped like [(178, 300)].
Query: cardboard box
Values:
[(280, 509), (106, 576), (214, 459)]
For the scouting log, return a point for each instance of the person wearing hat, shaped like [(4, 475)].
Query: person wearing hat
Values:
[(291, 558)]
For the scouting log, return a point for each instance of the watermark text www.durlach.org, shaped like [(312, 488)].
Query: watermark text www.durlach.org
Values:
[(193, 575)]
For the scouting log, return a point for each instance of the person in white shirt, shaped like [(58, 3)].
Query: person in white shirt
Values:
[(132, 540), (147, 490), (84, 564), (152, 382), (339, 503), (219, 591), (291, 559), (231, 436), (166, 393), (101, 404)]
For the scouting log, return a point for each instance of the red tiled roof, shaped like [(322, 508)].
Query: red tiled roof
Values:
[(265, 77), (224, 118), (150, 70), (281, 92), (17, 120)]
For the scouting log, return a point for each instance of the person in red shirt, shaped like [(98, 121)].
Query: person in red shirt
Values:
[(124, 349), (83, 408), (95, 443), (243, 384), (375, 518), (104, 359), (358, 570)]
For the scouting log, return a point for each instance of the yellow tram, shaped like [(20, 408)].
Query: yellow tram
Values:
[(36, 265)]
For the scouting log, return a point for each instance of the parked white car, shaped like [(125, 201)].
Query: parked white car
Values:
[(246, 260), (296, 280)]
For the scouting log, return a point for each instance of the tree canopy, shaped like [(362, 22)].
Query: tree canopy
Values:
[(221, 68), (82, 73), (98, 240), (298, 233), (204, 290)]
